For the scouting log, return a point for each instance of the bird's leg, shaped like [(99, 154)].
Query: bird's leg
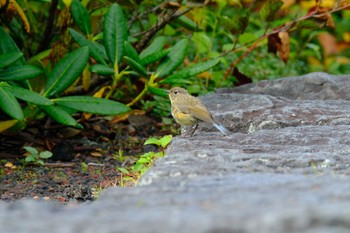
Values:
[(194, 129), (188, 131)]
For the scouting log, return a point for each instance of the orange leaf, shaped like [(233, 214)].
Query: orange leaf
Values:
[(10, 165), (328, 43), (125, 116), (279, 42), (96, 154)]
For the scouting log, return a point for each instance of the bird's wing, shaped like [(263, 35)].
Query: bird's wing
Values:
[(200, 112)]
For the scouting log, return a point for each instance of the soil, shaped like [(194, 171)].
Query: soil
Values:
[(84, 162)]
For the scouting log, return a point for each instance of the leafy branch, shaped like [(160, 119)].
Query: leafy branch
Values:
[(315, 13)]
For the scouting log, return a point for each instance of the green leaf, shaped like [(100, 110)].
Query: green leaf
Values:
[(153, 57), (173, 59), (136, 66), (9, 58), (154, 141), (199, 68), (31, 150), (45, 154), (30, 158), (92, 105), (202, 41), (115, 33), (158, 91), (138, 167), (270, 9), (102, 70), (28, 95), (7, 45), (66, 71), (131, 52), (61, 116), (40, 162), (187, 23), (9, 104), (96, 51), (165, 140), (40, 56), (246, 37), (235, 20), (81, 16), (20, 73), (144, 160), (123, 170), (157, 44)]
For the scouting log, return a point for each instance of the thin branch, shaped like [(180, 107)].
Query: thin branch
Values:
[(169, 16), (44, 44), (148, 35)]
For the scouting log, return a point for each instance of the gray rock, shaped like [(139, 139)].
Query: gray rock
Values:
[(285, 168)]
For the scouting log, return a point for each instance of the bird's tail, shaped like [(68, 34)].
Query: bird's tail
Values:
[(222, 129)]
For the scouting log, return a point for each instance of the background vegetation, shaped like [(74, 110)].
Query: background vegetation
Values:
[(62, 57)]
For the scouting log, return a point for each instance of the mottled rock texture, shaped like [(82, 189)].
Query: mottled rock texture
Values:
[(285, 168)]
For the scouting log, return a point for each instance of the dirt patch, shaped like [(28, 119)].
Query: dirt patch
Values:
[(84, 161)]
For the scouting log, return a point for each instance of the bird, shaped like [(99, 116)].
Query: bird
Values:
[(188, 110)]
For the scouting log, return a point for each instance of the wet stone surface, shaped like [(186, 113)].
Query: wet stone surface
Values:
[(285, 168)]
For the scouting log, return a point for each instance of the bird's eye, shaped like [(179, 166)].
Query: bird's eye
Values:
[(175, 92)]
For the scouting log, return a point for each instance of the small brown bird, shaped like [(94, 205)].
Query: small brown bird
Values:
[(189, 110)]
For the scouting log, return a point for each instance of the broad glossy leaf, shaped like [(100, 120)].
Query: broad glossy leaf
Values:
[(7, 45), (40, 56), (93, 105), (158, 91), (102, 70), (154, 141), (174, 58), (157, 44), (153, 57), (27, 95), (31, 150), (166, 140), (115, 33), (10, 105), (96, 51), (9, 58), (131, 52), (81, 16), (60, 115), (179, 77), (66, 71), (45, 154), (187, 23), (136, 66), (20, 73)]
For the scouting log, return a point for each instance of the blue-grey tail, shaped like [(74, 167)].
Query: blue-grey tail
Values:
[(222, 129)]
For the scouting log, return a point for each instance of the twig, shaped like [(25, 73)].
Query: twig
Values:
[(59, 164), (44, 44), (148, 35)]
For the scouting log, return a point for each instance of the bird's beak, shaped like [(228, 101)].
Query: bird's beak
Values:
[(167, 91)]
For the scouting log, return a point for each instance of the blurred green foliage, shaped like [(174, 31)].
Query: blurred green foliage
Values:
[(130, 52)]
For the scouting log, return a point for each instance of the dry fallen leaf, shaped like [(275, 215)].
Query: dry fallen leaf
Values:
[(97, 153), (125, 116), (279, 42), (10, 165)]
